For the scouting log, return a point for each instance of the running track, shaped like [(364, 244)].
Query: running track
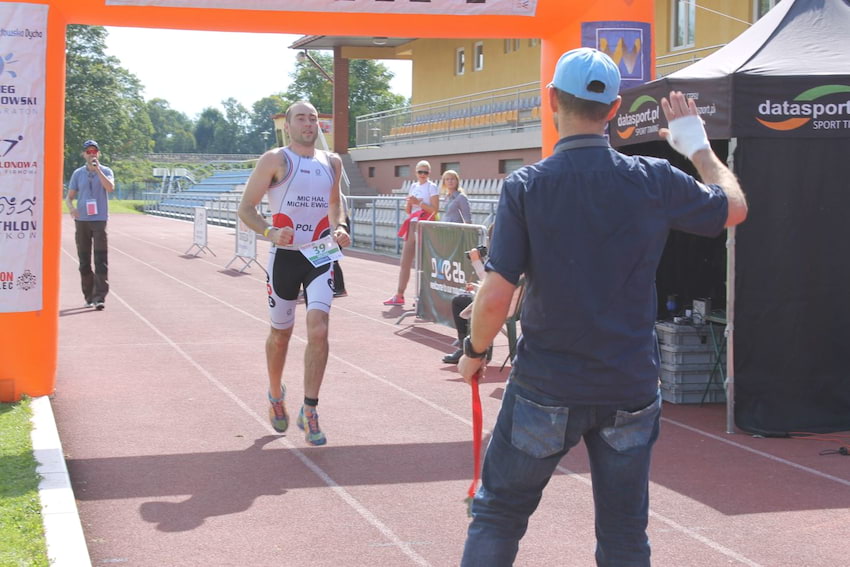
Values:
[(160, 404)]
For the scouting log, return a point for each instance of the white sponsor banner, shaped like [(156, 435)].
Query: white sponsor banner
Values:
[(246, 241), (23, 41), (442, 7), (199, 232)]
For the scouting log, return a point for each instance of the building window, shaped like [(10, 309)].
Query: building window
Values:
[(507, 166), (447, 165), (762, 7), (684, 15), (402, 171), (512, 45), (533, 42), (478, 64), (371, 171), (460, 60)]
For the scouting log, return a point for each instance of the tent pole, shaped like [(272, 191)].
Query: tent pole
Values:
[(730, 309)]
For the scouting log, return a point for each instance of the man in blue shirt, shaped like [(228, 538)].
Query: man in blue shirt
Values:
[(587, 226), (89, 185)]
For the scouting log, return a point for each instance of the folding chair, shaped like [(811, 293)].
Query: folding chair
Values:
[(514, 312)]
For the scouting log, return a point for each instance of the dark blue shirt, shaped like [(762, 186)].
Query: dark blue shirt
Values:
[(587, 226)]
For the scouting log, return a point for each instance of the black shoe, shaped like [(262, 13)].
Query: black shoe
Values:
[(454, 357)]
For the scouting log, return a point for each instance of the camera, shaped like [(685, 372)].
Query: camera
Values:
[(482, 251)]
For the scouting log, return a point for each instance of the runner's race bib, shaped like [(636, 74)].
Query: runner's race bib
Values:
[(322, 251)]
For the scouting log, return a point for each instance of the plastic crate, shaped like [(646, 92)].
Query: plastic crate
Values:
[(676, 395), (694, 374), (678, 355), (688, 335)]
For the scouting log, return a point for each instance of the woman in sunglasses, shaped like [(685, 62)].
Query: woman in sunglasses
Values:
[(423, 202)]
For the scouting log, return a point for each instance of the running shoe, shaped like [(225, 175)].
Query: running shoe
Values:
[(309, 423), (277, 412), (395, 300)]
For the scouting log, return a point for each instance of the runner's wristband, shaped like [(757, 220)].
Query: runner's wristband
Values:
[(267, 231)]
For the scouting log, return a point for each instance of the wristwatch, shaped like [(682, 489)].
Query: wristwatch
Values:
[(469, 351)]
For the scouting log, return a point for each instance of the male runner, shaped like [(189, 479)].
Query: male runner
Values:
[(304, 197)]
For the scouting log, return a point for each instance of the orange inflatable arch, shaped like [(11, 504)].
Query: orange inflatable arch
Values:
[(28, 340)]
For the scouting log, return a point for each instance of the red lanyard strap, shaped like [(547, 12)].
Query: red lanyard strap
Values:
[(477, 425)]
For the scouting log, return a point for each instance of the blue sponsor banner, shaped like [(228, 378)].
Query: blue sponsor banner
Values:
[(629, 44)]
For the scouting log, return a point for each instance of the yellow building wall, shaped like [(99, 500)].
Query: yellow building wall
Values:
[(434, 76), (717, 22), (711, 28)]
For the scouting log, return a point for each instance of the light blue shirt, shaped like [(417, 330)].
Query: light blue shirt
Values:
[(89, 188)]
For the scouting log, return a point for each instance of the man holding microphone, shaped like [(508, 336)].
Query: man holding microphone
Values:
[(90, 185)]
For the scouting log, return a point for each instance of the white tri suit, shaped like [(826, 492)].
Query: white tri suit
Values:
[(300, 201)]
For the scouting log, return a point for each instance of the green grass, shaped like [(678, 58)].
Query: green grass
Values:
[(117, 206), (22, 541)]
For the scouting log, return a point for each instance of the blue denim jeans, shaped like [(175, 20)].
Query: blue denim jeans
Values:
[(531, 435)]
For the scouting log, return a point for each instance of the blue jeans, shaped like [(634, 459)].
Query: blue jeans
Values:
[(531, 435)]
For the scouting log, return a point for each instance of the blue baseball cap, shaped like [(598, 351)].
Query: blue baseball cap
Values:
[(578, 68), (90, 144)]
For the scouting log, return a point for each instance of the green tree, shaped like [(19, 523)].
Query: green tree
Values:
[(261, 135), (103, 101), (208, 124), (308, 83), (172, 130), (368, 85), (370, 92), (234, 131)]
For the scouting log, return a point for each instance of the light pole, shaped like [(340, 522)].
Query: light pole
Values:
[(303, 56)]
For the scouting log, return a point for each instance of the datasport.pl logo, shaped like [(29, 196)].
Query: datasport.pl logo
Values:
[(784, 115)]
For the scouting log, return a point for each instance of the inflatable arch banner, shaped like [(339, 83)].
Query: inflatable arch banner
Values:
[(32, 86)]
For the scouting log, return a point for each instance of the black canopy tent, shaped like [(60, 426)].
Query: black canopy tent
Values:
[(778, 99)]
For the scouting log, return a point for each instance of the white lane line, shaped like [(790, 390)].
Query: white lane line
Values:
[(341, 492), (774, 458), (336, 307), (682, 529), (676, 526)]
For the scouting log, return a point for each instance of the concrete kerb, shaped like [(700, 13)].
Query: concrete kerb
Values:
[(66, 543)]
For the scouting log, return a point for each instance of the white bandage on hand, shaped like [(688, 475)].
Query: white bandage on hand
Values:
[(687, 135)]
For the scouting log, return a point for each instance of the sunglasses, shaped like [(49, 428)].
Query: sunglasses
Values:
[(91, 152), (423, 172)]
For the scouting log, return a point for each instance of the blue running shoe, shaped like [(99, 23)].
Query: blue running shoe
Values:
[(277, 412), (309, 424)]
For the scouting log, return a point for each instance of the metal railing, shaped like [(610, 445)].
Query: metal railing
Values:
[(672, 62), (374, 220), (486, 112)]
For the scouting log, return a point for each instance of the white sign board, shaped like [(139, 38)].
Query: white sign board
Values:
[(444, 7), (246, 241), (200, 231), (23, 37)]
